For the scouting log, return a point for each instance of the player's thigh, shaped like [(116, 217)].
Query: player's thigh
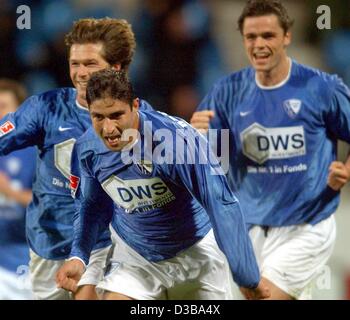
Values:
[(276, 293), (299, 254), (86, 292), (205, 273), (42, 274), (93, 274), (96, 268), (134, 280), (115, 296), (131, 275)]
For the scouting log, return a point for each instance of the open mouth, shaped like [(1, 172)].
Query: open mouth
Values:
[(261, 56), (113, 140)]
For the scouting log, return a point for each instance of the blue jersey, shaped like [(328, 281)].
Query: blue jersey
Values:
[(156, 202), (282, 141), (19, 167), (52, 121)]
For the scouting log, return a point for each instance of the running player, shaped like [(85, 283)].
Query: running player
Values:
[(284, 120), (162, 205), (53, 121)]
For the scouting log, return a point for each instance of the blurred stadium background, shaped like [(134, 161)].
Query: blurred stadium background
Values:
[(183, 47)]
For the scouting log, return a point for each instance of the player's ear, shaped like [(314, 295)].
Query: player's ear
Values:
[(287, 38), (135, 104), (117, 67)]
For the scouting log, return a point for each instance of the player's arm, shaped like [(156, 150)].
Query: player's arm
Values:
[(209, 186), (93, 216), (78, 192), (22, 128), (205, 113), (339, 174), (337, 119), (201, 120), (94, 213), (210, 112), (212, 115)]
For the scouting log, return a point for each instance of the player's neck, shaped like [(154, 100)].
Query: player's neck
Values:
[(82, 103), (276, 76)]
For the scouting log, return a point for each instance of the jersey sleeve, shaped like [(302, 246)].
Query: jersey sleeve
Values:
[(22, 128), (337, 116), (214, 101), (94, 210), (208, 184), (219, 126)]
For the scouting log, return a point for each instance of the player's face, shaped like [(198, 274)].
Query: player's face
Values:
[(8, 103), (265, 42), (85, 59), (110, 118)]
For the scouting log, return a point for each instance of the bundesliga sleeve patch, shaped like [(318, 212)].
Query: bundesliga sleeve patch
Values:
[(6, 128), (74, 183)]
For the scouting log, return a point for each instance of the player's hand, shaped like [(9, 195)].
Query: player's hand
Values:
[(200, 120), (339, 175), (262, 291), (68, 276)]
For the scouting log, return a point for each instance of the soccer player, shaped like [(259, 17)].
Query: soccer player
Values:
[(284, 120), (16, 176), (161, 205), (53, 121)]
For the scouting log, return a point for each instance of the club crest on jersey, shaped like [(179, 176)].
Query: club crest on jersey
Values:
[(145, 167), (292, 107), (73, 183), (6, 128)]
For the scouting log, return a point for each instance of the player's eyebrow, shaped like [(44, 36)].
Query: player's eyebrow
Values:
[(84, 61), (96, 114), (268, 34), (116, 114), (263, 34), (250, 34), (108, 115)]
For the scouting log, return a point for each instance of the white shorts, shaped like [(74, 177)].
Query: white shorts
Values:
[(96, 268), (292, 257), (15, 286), (43, 274), (200, 272)]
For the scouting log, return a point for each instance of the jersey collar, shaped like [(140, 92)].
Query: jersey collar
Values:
[(80, 106), (278, 85)]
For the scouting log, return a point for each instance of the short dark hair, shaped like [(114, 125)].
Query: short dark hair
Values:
[(109, 83), (116, 36), (15, 87), (258, 8)]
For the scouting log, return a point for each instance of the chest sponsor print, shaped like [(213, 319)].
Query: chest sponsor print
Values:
[(139, 195), (261, 144)]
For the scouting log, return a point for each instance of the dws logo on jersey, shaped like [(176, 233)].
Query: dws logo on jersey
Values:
[(260, 144), (292, 107), (141, 194)]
